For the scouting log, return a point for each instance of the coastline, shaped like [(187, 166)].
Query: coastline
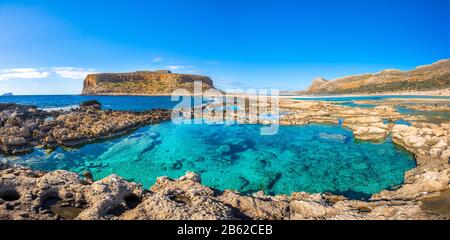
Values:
[(435, 93), (429, 180)]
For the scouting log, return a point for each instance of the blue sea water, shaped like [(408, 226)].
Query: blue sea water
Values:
[(369, 98), (313, 158), (122, 103)]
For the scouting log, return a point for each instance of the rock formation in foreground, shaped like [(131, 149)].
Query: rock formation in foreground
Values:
[(22, 128), (28, 194), (141, 83), (424, 78)]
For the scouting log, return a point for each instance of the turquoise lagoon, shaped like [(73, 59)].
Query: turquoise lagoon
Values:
[(313, 158)]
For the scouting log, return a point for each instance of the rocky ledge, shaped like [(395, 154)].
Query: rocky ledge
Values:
[(161, 82), (27, 194), (22, 128)]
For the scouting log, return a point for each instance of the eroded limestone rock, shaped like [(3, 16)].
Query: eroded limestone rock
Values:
[(24, 127), (28, 194)]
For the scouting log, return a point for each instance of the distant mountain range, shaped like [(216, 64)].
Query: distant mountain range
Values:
[(7, 94), (435, 76)]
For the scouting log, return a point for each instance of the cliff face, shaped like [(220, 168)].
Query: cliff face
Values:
[(316, 84), (430, 77), (141, 83)]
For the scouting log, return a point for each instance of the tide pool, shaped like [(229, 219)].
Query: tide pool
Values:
[(314, 158)]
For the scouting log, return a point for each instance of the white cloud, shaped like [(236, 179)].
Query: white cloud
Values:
[(24, 73), (176, 67), (158, 59), (72, 73), (40, 73)]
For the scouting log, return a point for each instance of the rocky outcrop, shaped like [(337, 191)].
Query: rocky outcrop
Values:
[(27, 194), (424, 78), (26, 127), (316, 84), (424, 139), (430, 145), (366, 124), (142, 83)]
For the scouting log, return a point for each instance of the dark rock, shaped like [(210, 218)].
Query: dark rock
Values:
[(91, 104), (24, 127), (88, 176), (177, 166)]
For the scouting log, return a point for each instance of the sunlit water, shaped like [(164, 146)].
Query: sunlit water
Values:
[(315, 158)]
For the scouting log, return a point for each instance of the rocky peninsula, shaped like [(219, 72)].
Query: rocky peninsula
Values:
[(161, 82), (25, 127)]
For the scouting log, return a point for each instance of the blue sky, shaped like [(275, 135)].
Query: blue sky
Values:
[(47, 47)]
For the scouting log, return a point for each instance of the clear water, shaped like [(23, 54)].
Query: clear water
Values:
[(432, 116), (315, 158), (353, 104)]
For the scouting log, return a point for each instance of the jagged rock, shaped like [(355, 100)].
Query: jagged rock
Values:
[(257, 207), (184, 198), (28, 194), (91, 104), (25, 127)]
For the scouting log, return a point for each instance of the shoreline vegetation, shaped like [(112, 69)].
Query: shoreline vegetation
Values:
[(60, 192)]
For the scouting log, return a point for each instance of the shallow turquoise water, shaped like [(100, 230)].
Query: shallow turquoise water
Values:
[(315, 158), (433, 116), (353, 104), (376, 98)]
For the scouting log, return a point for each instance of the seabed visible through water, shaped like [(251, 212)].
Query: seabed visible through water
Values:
[(312, 158)]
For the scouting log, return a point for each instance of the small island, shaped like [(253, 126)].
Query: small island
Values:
[(160, 82), (7, 94)]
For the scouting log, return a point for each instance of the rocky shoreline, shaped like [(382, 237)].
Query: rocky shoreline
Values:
[(28, 194), (25, 127)]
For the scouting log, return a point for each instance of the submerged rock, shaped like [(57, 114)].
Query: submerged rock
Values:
[(333, 137)]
